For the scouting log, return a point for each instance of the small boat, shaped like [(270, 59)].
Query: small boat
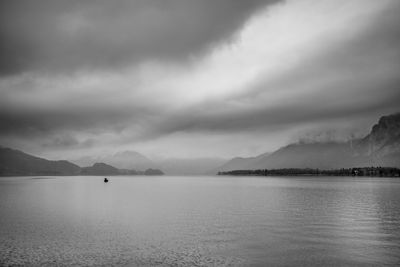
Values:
[(105, 180)]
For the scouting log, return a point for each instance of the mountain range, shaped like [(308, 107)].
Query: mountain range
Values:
[(121, 160), (173, 166), (380, 147), (17, 163)]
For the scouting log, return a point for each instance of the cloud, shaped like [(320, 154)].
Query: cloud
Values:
[(118, 74), (341, 75), (68, 35)]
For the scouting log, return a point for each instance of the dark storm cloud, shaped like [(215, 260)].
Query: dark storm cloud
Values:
[(66, 35)]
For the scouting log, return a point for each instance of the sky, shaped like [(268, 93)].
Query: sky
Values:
[(193, 78)]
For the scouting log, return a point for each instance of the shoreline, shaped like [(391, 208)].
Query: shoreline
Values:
[(347, 172)]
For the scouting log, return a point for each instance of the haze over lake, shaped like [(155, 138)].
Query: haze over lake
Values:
[(199, 221)]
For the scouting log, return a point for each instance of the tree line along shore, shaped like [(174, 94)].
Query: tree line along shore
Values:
[(363, 171)]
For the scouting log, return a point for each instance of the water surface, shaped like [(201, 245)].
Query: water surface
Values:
[(199, 221)]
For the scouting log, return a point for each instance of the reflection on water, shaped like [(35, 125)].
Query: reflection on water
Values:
[(202, 221)]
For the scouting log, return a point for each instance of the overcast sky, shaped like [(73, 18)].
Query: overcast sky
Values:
[(193, 78)]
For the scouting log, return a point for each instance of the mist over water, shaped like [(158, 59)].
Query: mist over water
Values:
[(200, 221)]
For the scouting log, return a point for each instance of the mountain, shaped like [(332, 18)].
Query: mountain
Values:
[(100, 169), (15, 162), (105, 169), (382, 144), (380, 147), (310, 155), (130, 160), (121, 160), (173, 166), (153, 172)]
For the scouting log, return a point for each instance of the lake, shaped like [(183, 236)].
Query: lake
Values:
[(199, 221)]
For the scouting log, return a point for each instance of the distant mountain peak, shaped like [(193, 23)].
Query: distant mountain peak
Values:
[(127, 159)]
